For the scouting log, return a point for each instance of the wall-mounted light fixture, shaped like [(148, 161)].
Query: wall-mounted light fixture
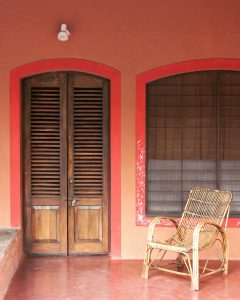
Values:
[(63, 33)]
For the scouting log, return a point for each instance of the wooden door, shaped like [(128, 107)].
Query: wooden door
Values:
[(88, 164), (65, 163)]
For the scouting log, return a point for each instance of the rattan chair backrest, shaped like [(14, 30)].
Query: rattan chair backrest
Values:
[(203, 205)]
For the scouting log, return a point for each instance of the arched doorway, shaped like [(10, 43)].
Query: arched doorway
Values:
[(15, 135)]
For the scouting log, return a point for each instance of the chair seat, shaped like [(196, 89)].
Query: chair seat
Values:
[(169, 247)]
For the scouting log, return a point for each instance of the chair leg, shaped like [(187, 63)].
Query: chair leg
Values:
[(179, 262), (195, 270), (225, 266), (146, 263), (225, 254)]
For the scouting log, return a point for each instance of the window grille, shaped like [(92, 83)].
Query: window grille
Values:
[(193, 127)]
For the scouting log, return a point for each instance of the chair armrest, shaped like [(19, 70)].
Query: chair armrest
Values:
[(153, 224), (197, 230)]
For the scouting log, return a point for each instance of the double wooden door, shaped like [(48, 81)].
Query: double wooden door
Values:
[(65, 118)]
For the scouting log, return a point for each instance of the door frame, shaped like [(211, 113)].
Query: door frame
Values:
[(79, 65)]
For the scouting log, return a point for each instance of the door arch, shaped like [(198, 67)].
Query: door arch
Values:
[(27, 70)]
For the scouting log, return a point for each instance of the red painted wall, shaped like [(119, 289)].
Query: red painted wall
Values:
[(130, 36)]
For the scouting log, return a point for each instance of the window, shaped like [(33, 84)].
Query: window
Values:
[(193, 130)]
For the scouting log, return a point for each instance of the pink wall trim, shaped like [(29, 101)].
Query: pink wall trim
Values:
[(115, 127), (141, 81)]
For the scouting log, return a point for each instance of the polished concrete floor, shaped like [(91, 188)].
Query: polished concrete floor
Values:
[(98, 278)]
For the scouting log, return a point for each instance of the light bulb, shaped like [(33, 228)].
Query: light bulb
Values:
[(63, 34)]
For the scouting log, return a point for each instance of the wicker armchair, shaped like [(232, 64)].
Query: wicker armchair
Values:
[(201, 227)]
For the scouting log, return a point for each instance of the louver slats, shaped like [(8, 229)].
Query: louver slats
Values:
[(45, 142), (88, 142)]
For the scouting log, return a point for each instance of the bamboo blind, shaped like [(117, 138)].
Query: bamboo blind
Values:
[(193, 123)]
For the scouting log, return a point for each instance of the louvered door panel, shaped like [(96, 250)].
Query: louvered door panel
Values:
[(88, 142), (44, 164), (88, 116), (45, 142)]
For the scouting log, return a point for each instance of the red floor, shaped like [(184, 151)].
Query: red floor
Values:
[(98, 278)]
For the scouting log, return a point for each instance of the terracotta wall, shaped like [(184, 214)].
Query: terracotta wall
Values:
[(131, 36)]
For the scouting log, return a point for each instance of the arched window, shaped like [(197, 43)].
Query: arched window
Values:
[(192, 138)]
